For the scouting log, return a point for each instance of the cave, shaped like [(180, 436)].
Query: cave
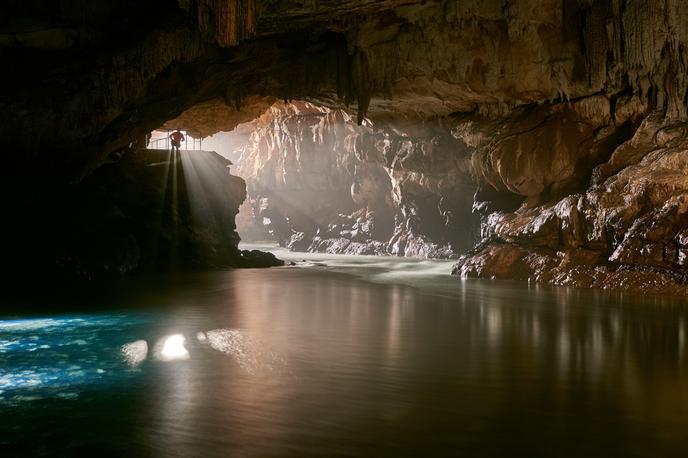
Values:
[(475, 154)]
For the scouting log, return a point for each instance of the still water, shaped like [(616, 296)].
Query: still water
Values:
[(343, 356)]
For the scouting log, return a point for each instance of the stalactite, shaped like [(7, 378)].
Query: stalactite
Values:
[(360, 83), (343, 73), (383, 62), (229, 95), (233, 97), (227, 21)]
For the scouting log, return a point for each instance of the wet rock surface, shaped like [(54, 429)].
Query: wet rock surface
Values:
[(624, 232), (318, 182), (257, 258)]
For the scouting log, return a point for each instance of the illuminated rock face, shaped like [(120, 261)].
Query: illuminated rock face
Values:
[(566, 116), (571, 194), (624, 229), (321, 183)]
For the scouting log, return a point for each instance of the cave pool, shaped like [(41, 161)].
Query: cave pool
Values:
[(345, 356)]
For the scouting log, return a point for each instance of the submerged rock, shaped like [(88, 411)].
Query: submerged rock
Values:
[(257, 258)]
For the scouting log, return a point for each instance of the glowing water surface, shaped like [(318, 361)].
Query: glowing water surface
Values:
[(346, 356)]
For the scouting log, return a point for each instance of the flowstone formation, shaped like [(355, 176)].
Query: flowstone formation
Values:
[(566, 116), (321, 183)]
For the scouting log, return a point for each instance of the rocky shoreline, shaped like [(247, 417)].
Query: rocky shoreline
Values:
[(627, 231)]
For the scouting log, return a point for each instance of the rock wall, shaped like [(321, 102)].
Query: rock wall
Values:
[(624, 229), (319, 182), (146, 211), (587, 193)]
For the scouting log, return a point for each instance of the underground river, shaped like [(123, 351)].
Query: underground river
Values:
[(346, 356)]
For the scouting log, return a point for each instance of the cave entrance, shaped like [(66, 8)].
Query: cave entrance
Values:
[(317, 181)]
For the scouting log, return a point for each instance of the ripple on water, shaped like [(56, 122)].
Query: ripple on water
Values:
[(43, 356), (250, 354)]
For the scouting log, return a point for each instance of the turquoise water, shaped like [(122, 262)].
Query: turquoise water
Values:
[(58, 356), (345, 356)]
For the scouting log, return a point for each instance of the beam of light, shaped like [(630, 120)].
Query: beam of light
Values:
[(202, 176), (171, 348), (168, 207), (174, 211), (165, 183), (247, 352), (207, 188), (134, 353)]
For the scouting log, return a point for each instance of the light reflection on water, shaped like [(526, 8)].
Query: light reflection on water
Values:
[(54, 356), (301, 361)]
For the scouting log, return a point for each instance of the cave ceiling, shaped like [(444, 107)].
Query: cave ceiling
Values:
[(83, 85)]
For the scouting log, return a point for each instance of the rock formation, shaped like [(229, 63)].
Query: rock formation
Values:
[(321, 183), (147, 211), (624, 229), (567, 116)]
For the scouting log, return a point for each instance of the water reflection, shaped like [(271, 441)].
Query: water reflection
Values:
[(171, 348), (58, 356), (134, 353), (249, 354), (304, 362)]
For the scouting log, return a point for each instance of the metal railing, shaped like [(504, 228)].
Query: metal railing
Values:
[(164, 142)]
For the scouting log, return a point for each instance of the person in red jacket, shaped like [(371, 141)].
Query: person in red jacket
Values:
[(176, 139)]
